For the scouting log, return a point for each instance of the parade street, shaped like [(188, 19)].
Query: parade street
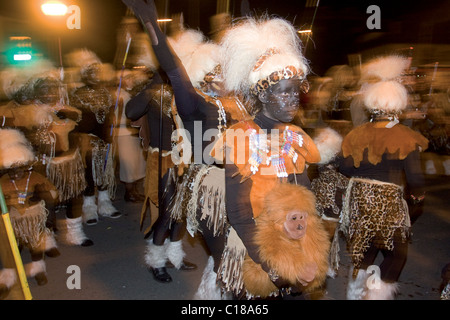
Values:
[(114, 267)]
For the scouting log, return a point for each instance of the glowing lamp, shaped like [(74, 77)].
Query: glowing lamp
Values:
[(22, 57), (54, 8)]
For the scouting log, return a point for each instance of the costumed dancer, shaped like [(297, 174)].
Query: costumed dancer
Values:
[(151, 109), (382, 160), (96, 99), (263, 62), (195, 81), (39, 108), (27, 194)]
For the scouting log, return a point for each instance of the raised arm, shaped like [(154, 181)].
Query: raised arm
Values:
[(186, 97)]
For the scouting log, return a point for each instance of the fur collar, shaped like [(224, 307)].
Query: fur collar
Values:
[(378, 140)]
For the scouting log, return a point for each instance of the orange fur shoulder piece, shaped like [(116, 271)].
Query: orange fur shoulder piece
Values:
[(246, 141), (289, 258), (380, 140), (276, 153)]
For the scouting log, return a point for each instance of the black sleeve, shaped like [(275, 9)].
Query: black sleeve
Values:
[(186, 97), (239, 210), (138, 106)]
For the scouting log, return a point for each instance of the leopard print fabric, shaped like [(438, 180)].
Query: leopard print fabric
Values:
[(326, 187), (373, 211)]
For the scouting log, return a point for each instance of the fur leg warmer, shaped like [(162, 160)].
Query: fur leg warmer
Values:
[(89, 208), (156, 256), (70, 231), (37, 269), (356, 289), (175, 253), (34, 268), (8, 277), (384, 291), (208, 289), (105, 206)]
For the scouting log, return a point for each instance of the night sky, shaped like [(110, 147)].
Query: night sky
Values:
[(339, 26)]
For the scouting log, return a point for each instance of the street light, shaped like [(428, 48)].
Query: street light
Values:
[(54, 8)]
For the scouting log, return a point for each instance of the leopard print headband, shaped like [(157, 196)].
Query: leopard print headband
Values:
[(288, 72)]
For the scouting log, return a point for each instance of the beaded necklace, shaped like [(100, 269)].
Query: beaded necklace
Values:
[(22, 196), (259, 147)]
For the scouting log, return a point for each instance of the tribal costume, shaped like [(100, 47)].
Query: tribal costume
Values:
[(377, 157), (93, 135), (27, 193)]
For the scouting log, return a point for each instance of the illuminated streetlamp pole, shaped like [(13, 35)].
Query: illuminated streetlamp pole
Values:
[(55, 8)]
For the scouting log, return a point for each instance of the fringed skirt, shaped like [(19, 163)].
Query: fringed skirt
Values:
[(201, 196), (372, 212), (29, 225), (67, 174), (103, 165)]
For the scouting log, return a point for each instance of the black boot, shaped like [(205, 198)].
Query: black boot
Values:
[(161, 275), (41, 278)]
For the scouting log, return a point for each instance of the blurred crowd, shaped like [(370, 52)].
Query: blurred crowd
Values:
[(335, 99)]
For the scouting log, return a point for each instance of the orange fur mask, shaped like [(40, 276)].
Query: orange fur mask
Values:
[(292, 241)]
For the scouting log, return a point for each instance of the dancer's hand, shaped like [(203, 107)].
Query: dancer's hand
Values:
[(146, 11)]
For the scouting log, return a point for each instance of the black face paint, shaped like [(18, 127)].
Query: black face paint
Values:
[(92, 74), (283, 100)]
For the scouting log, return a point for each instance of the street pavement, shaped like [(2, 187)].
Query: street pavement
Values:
[(114, 268)]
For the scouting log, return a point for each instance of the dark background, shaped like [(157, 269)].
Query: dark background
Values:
[(339, 27)]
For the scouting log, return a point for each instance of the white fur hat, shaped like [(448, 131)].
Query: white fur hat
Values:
[(383, 93), (15, 79), (185, 42), (203, 61), (85, 58), (15, 150), (198, 56), (386, 97), (254, 49), (82, 58), (328, 142)]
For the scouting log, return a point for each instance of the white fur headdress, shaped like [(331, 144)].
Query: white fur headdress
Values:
[(254, 49), (15, 79), (82, 58), (15, 150), (85, 59), (198, 56), (383, 92)]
